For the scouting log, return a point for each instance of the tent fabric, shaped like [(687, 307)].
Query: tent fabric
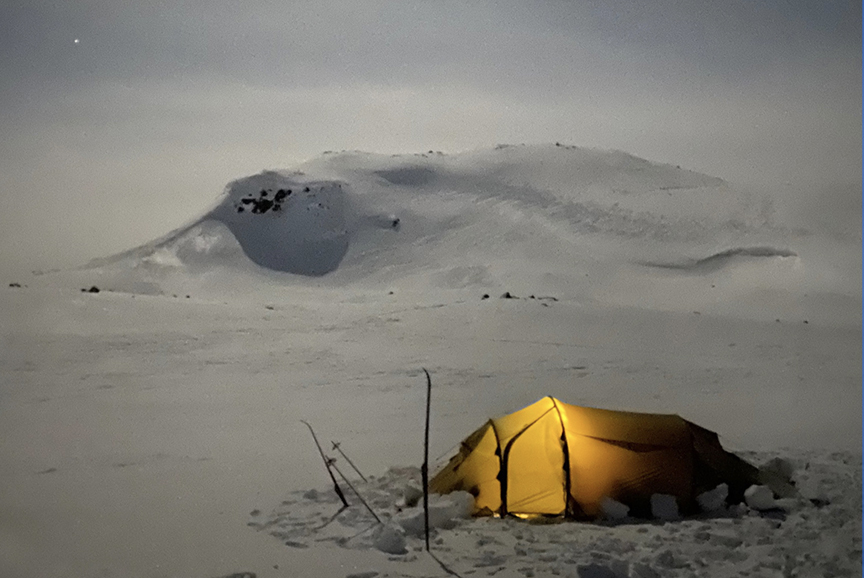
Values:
[(553, 458)]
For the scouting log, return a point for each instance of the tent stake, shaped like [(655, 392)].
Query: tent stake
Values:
[(328, 464), (338, 448), (424, 471)]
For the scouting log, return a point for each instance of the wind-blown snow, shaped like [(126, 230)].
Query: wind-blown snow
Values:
[(140, 425)]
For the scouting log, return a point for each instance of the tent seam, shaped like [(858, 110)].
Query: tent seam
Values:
[(501, 483), (566, 448)]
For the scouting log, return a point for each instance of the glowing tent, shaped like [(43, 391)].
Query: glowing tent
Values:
[(553, 458)]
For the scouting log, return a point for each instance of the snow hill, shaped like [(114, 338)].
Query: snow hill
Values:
[(574, 222)]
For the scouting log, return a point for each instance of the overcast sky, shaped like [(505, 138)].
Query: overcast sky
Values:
[(123, 119)]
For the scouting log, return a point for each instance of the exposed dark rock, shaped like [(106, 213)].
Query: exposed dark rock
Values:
[(262, 206), (485, 296), (508, 295), (93, 289), (15, 284)]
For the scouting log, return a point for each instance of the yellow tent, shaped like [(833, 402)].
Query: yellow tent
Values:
[(553, 458)]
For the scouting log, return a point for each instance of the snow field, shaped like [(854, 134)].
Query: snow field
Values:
[(140, 426)]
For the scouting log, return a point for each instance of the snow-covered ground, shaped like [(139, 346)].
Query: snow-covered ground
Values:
[(141, 426)]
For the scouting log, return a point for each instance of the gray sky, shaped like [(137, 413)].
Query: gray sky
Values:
[(134, 129)]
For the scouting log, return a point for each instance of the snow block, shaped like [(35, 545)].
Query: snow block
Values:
[(760, 498), (390, 539), (713, 500), (613, 509), (411, 495), (443, 513), (664, 507), (780, 467)]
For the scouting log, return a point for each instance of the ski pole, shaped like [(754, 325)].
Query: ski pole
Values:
[(328, 464)]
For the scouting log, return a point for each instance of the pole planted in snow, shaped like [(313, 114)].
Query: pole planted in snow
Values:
[(328, 464), (424, 471), (338, 448), (356, 493)]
